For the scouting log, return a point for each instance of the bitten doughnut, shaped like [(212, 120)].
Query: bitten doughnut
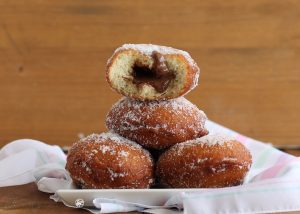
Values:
[(109, 161), (151, 72), (207, 162), (157, 124)]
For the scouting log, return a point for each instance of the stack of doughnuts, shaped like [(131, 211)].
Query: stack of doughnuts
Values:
[(156, 136)]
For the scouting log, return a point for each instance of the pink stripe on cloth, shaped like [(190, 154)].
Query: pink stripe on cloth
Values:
[(241, 138), (283, 158), (273, 171)]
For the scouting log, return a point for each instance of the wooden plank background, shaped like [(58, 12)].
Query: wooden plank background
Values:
[(53, 56)]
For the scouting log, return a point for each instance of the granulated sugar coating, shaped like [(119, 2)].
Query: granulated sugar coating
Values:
[(108, 160), (211, 140), (157, 124), (207, 162), (151, 72), (100, 138), (155, 115)]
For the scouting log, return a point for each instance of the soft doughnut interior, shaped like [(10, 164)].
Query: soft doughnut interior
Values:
[(122, 71)]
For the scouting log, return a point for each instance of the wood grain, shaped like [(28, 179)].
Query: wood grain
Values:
[(16, 201), (53, 56)]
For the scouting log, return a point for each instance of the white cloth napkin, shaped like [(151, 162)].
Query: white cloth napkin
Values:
[(20, 158), (272, 185)]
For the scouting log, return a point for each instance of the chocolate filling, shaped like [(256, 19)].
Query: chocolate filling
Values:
[(159, 76)]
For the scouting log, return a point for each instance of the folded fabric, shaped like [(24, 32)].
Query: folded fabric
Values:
[(111, 205), (19, 159), (272, 185)]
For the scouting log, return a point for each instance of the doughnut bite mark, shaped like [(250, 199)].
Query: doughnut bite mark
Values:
[(109, 161), (157, 124), (151, 72), (208, 162)]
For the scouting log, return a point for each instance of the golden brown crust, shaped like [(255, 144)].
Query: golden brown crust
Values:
[(157, 124), (191, 68), (109, 161), (197, 164)]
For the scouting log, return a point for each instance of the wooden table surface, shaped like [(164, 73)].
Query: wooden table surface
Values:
[(53, 56), (26, 199)]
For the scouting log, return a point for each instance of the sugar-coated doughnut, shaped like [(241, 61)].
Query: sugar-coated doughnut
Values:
[(107, 160), (151, 72), (207, 162), (157, 124)]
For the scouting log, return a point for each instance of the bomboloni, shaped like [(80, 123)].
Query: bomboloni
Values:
[(208, 162), (109, 161), (157, 124), (151, 72)]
